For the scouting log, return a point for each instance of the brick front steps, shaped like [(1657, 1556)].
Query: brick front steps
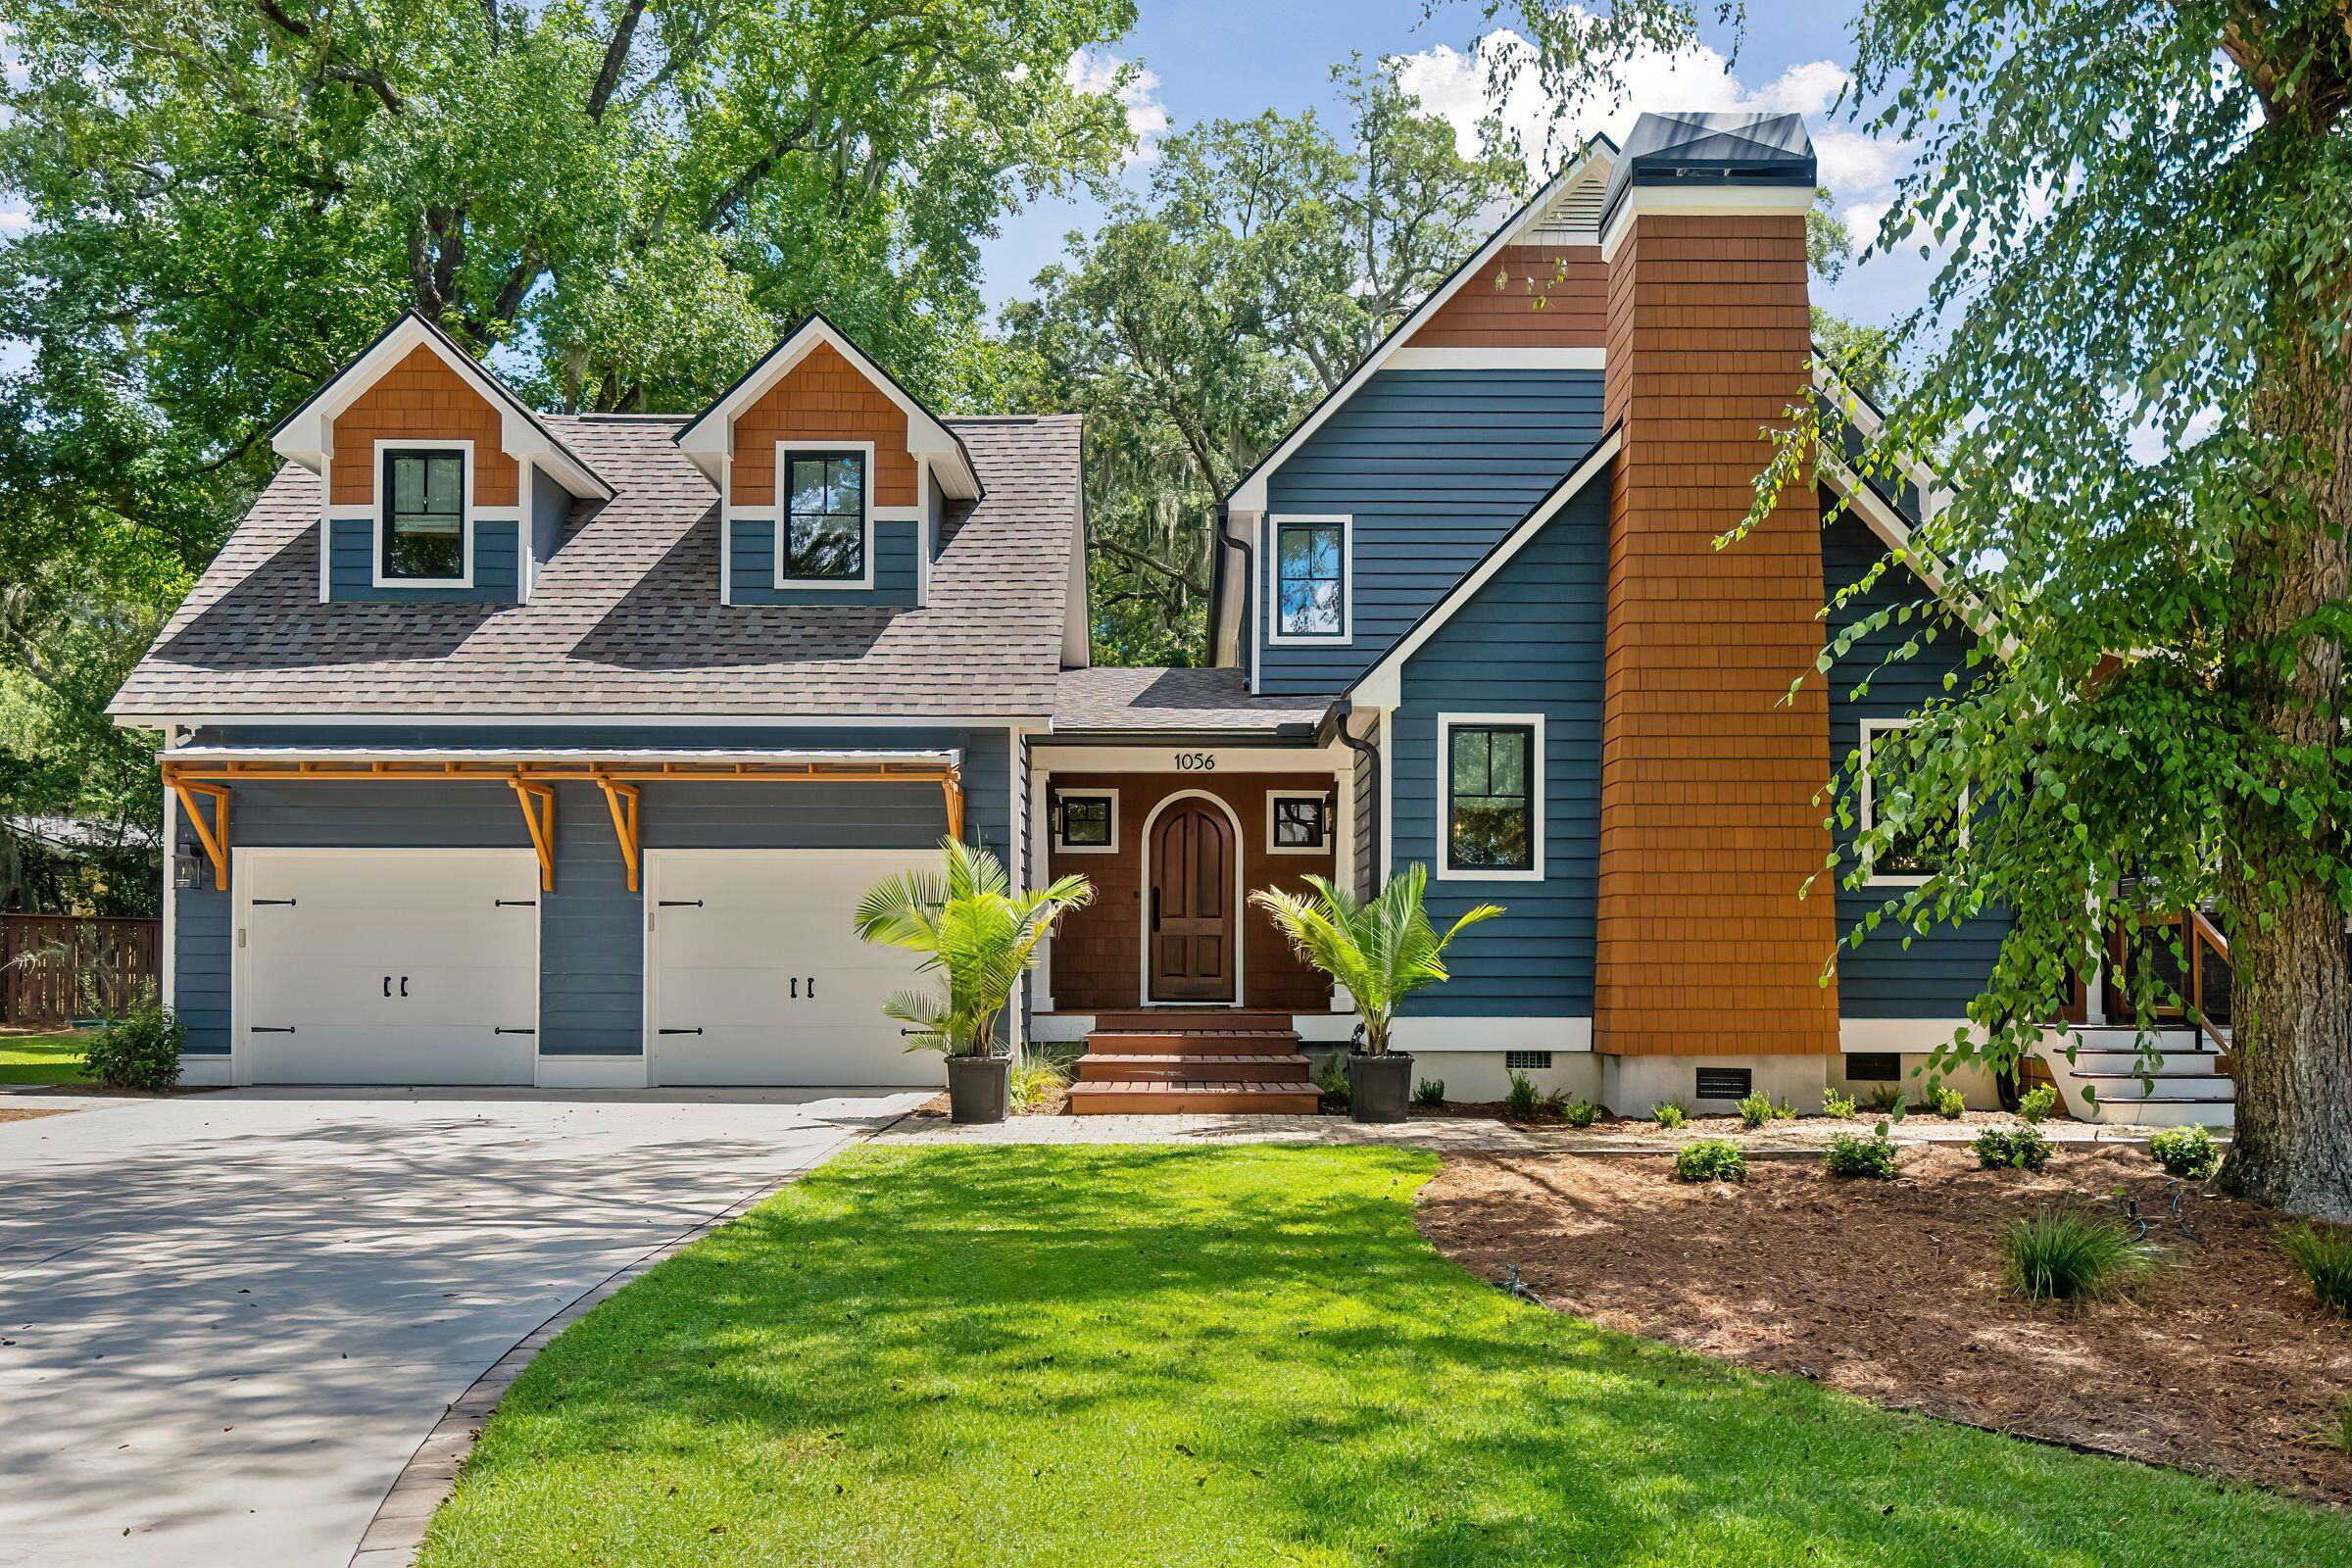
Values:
[(1163, 1062)]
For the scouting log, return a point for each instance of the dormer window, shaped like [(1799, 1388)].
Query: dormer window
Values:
[(825, 517), (424, 536)]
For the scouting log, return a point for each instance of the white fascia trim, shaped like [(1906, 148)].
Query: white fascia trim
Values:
[(726, 538), (467, 518), (1054, 795), (1538, 785), (1382, 686), (1322, 798), (1423, 1035), (710, 437), (1870, 727), (1686, 200), (865, 507), (308, 438), (1498, 359), (1857, 411), (1250, 494), (1241, 755), (544, 718), (1269, 550), (1896, 534)]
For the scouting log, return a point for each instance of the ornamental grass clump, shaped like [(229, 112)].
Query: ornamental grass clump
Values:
[(1430, 1094), (1710, 1159), (2324, 1255), (1853, 1155), (2066, 1255)]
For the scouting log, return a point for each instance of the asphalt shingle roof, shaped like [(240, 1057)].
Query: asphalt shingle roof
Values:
[(626, 619), (1154, 699)]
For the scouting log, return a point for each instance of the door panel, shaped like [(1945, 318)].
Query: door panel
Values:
[(1191, 911), (755, 978), (390, 966)]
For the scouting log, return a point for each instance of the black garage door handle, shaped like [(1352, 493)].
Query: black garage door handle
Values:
[(695, 1031), (679, 903), (268, 1029), (514, 1031)]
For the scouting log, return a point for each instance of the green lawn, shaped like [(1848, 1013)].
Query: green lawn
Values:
[(1090, 1357), (41, 1058)]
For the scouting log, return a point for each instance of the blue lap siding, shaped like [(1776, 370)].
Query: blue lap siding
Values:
[(1945, 969), (1434, 467), (496, 565), (751, 567), (1530, 641), (592, 942)]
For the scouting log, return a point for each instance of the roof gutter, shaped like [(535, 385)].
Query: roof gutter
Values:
[(1370, 753), (1246, 660)]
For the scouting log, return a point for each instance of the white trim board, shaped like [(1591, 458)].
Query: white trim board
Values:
[(1498, 359), (1538, 785), (1382, 686), (1597, 158), (1427, 1036), (1726, 200)]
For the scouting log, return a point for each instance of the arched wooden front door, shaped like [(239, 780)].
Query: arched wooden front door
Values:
[(1190, 933)]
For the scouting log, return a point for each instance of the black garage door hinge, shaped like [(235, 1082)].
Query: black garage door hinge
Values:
[(515, 904), (272, 901), (694, 1031), (268, 1029), (514, 1031), (679, 903)]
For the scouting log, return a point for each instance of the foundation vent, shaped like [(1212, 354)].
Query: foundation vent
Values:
[(1526, 1061)]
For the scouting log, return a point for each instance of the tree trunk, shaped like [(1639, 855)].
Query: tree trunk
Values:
[(2290, 1001)]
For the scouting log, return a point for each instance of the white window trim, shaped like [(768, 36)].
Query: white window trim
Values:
[(1322, 798), (1877, 726), (784, 452), (1537, 787), (469, 514), (1060, 848), (1276, 522)]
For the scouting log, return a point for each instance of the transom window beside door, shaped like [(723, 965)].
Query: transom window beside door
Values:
[(824, 516), (1311, 558), (1494, 823), (425, 515)]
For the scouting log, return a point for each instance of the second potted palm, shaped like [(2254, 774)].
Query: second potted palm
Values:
[(1383, 949)]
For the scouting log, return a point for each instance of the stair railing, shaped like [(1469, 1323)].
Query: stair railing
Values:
[(2202, 933)]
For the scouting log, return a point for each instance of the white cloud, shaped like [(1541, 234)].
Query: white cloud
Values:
[(1097, 71), (14, 221), (1454, 84)]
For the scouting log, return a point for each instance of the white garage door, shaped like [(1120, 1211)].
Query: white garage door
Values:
[(754, 977), (389, 966)]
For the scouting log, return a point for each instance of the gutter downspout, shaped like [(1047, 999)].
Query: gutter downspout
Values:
[(1370, 753), (1245, 638)]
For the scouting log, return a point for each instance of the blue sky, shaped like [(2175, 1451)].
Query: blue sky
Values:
[(1207, 58)]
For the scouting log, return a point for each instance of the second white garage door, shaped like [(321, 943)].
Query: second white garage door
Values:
[(754, 977)]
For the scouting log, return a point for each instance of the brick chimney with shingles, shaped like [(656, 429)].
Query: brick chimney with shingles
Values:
[(1708, 821)]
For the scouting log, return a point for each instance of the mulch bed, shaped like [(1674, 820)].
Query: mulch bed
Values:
[(2221, 1361)]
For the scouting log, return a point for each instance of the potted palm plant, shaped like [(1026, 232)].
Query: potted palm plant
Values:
[(979, 938), (1383, 949)]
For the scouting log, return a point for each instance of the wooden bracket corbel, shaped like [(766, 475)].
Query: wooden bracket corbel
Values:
[(621, 801), (213, 835), (539, 815), (951, 785)]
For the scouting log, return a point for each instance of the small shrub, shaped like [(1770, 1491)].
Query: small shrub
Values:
[(1332, 1084), (1883, 1098), (1756, 1110), (2325, 1255), (2022, 1150), (1036, 1079), (1430, 1093), (2186, 1153), (2064, 1254), (1852, 1155), (138, 1050), (1553, 1107), (1710, 1159), (1670, 1113), (2037, 1103), (1522, 1100), (1949, 1101), (1838, 1103), (1581, 1112)]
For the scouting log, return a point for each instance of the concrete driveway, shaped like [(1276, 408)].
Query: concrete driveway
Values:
[(226, 1320)]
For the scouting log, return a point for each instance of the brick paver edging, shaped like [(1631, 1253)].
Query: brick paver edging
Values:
[(397, 1530)]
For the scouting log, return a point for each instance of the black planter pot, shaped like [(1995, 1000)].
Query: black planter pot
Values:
[(1378, 1088), (979, 1088)]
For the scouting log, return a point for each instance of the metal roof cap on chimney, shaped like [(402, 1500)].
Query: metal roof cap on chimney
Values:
[(1724, 149)]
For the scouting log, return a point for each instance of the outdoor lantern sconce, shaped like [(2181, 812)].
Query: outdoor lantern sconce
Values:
[(187, 868)]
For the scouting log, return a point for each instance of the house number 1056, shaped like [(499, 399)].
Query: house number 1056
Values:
[(1196, 761)]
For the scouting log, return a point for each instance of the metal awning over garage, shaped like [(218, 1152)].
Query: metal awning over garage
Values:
[(202, 775)]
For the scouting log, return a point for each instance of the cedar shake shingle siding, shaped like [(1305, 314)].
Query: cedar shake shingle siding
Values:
[(1534, 296), (421, 399), (822, 399), (1709, 824)]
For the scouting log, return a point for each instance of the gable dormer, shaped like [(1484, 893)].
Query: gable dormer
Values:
[(832, 478), (441, 485)]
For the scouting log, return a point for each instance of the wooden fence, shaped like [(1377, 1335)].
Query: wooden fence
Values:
[(54, 967)]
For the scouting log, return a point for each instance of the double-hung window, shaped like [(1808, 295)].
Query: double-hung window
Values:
[(1493, 792), (1310, 579), (424, 537), (824, 516)]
